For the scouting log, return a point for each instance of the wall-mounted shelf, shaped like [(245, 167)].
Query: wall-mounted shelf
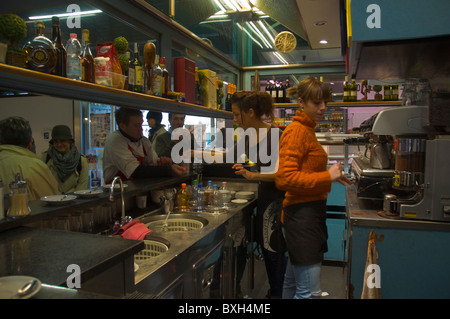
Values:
[(347, 104), (42, 83)]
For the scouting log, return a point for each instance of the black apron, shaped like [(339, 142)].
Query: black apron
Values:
[(306, 232)]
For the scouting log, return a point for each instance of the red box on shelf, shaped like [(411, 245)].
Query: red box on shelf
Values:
[(184, 78)]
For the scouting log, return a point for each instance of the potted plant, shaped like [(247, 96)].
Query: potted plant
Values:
[(13, 29), (377, 89)]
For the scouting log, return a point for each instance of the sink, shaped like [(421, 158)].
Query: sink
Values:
[(153, 247), (175, 223)]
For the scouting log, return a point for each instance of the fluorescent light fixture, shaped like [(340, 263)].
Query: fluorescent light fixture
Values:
[(222, 8), (251, 37), (67, 14), (279, 57), (266, 31), (323, 41), (260, 35)]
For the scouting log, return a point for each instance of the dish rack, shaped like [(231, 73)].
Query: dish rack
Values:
[(152, 249), (175, 225)]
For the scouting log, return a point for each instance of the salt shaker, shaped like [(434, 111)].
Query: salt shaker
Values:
[(18, 198)]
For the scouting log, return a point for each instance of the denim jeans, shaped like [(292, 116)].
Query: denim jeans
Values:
[(302, 282)]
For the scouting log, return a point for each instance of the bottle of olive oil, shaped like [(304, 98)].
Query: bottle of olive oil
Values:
[(346, 90)]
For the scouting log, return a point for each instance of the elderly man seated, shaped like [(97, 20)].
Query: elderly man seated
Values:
[(16, 143)]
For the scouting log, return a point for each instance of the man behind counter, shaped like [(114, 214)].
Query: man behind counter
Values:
[(129, 154), (16, 156), (164, 143)]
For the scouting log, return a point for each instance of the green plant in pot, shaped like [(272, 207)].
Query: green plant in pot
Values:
[(123, 53), (13, 29), (377, 89)]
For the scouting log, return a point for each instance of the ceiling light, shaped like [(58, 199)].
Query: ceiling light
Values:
[(323, 41), (67, 14)]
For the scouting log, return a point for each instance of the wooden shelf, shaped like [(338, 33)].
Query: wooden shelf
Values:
[(42, 83), (348, 104)]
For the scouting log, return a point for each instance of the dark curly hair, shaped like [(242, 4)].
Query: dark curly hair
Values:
[(260, 102), (15, 130)]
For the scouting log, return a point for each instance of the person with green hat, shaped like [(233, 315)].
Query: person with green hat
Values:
[(67, 165)]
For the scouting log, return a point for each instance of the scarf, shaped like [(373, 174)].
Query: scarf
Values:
[(65, 164)]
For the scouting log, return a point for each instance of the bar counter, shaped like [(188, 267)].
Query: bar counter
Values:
[(106, 262)]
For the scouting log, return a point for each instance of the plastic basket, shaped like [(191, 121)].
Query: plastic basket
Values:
[(152, 249), (175, 225)]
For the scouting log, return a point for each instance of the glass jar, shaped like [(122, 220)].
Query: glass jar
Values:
[(18, 199)]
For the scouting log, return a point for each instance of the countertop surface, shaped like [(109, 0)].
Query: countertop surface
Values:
[(45, 254)]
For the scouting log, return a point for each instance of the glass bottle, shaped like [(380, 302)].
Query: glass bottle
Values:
[(40, 51), (87, 59), (394, 92), (183, 198), (346, 90), (73, 48), (165, 78), (353, 91), (61, 53), (136, 72), (157, 78), (387, 92), (18, 199)]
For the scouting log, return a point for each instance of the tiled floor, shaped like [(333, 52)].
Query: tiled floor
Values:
[(333, 282)]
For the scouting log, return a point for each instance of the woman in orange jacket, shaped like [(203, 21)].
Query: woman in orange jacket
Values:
[(304, 176)]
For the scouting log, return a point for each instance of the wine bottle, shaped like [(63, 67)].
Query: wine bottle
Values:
[(135, 72), (40, 51), (61, 53), (157, 78), (346, 90), (353, 91), (87, 59), (165, 77)]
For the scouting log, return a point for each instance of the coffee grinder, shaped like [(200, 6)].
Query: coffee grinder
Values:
[(422, 167)]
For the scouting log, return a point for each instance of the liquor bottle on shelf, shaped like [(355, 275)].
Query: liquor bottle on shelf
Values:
[(165, 78), (136, 72), (353, 91), (387, 92), (61, 53), (394, 92), (87, 59), (40, 51), (157, 78), (346, 90), (282, 93), (73, 48), (287, 85)]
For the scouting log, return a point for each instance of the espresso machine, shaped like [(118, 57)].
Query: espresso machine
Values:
[(421, 176)]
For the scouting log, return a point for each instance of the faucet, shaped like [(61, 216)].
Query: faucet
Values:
[(124, 219)]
